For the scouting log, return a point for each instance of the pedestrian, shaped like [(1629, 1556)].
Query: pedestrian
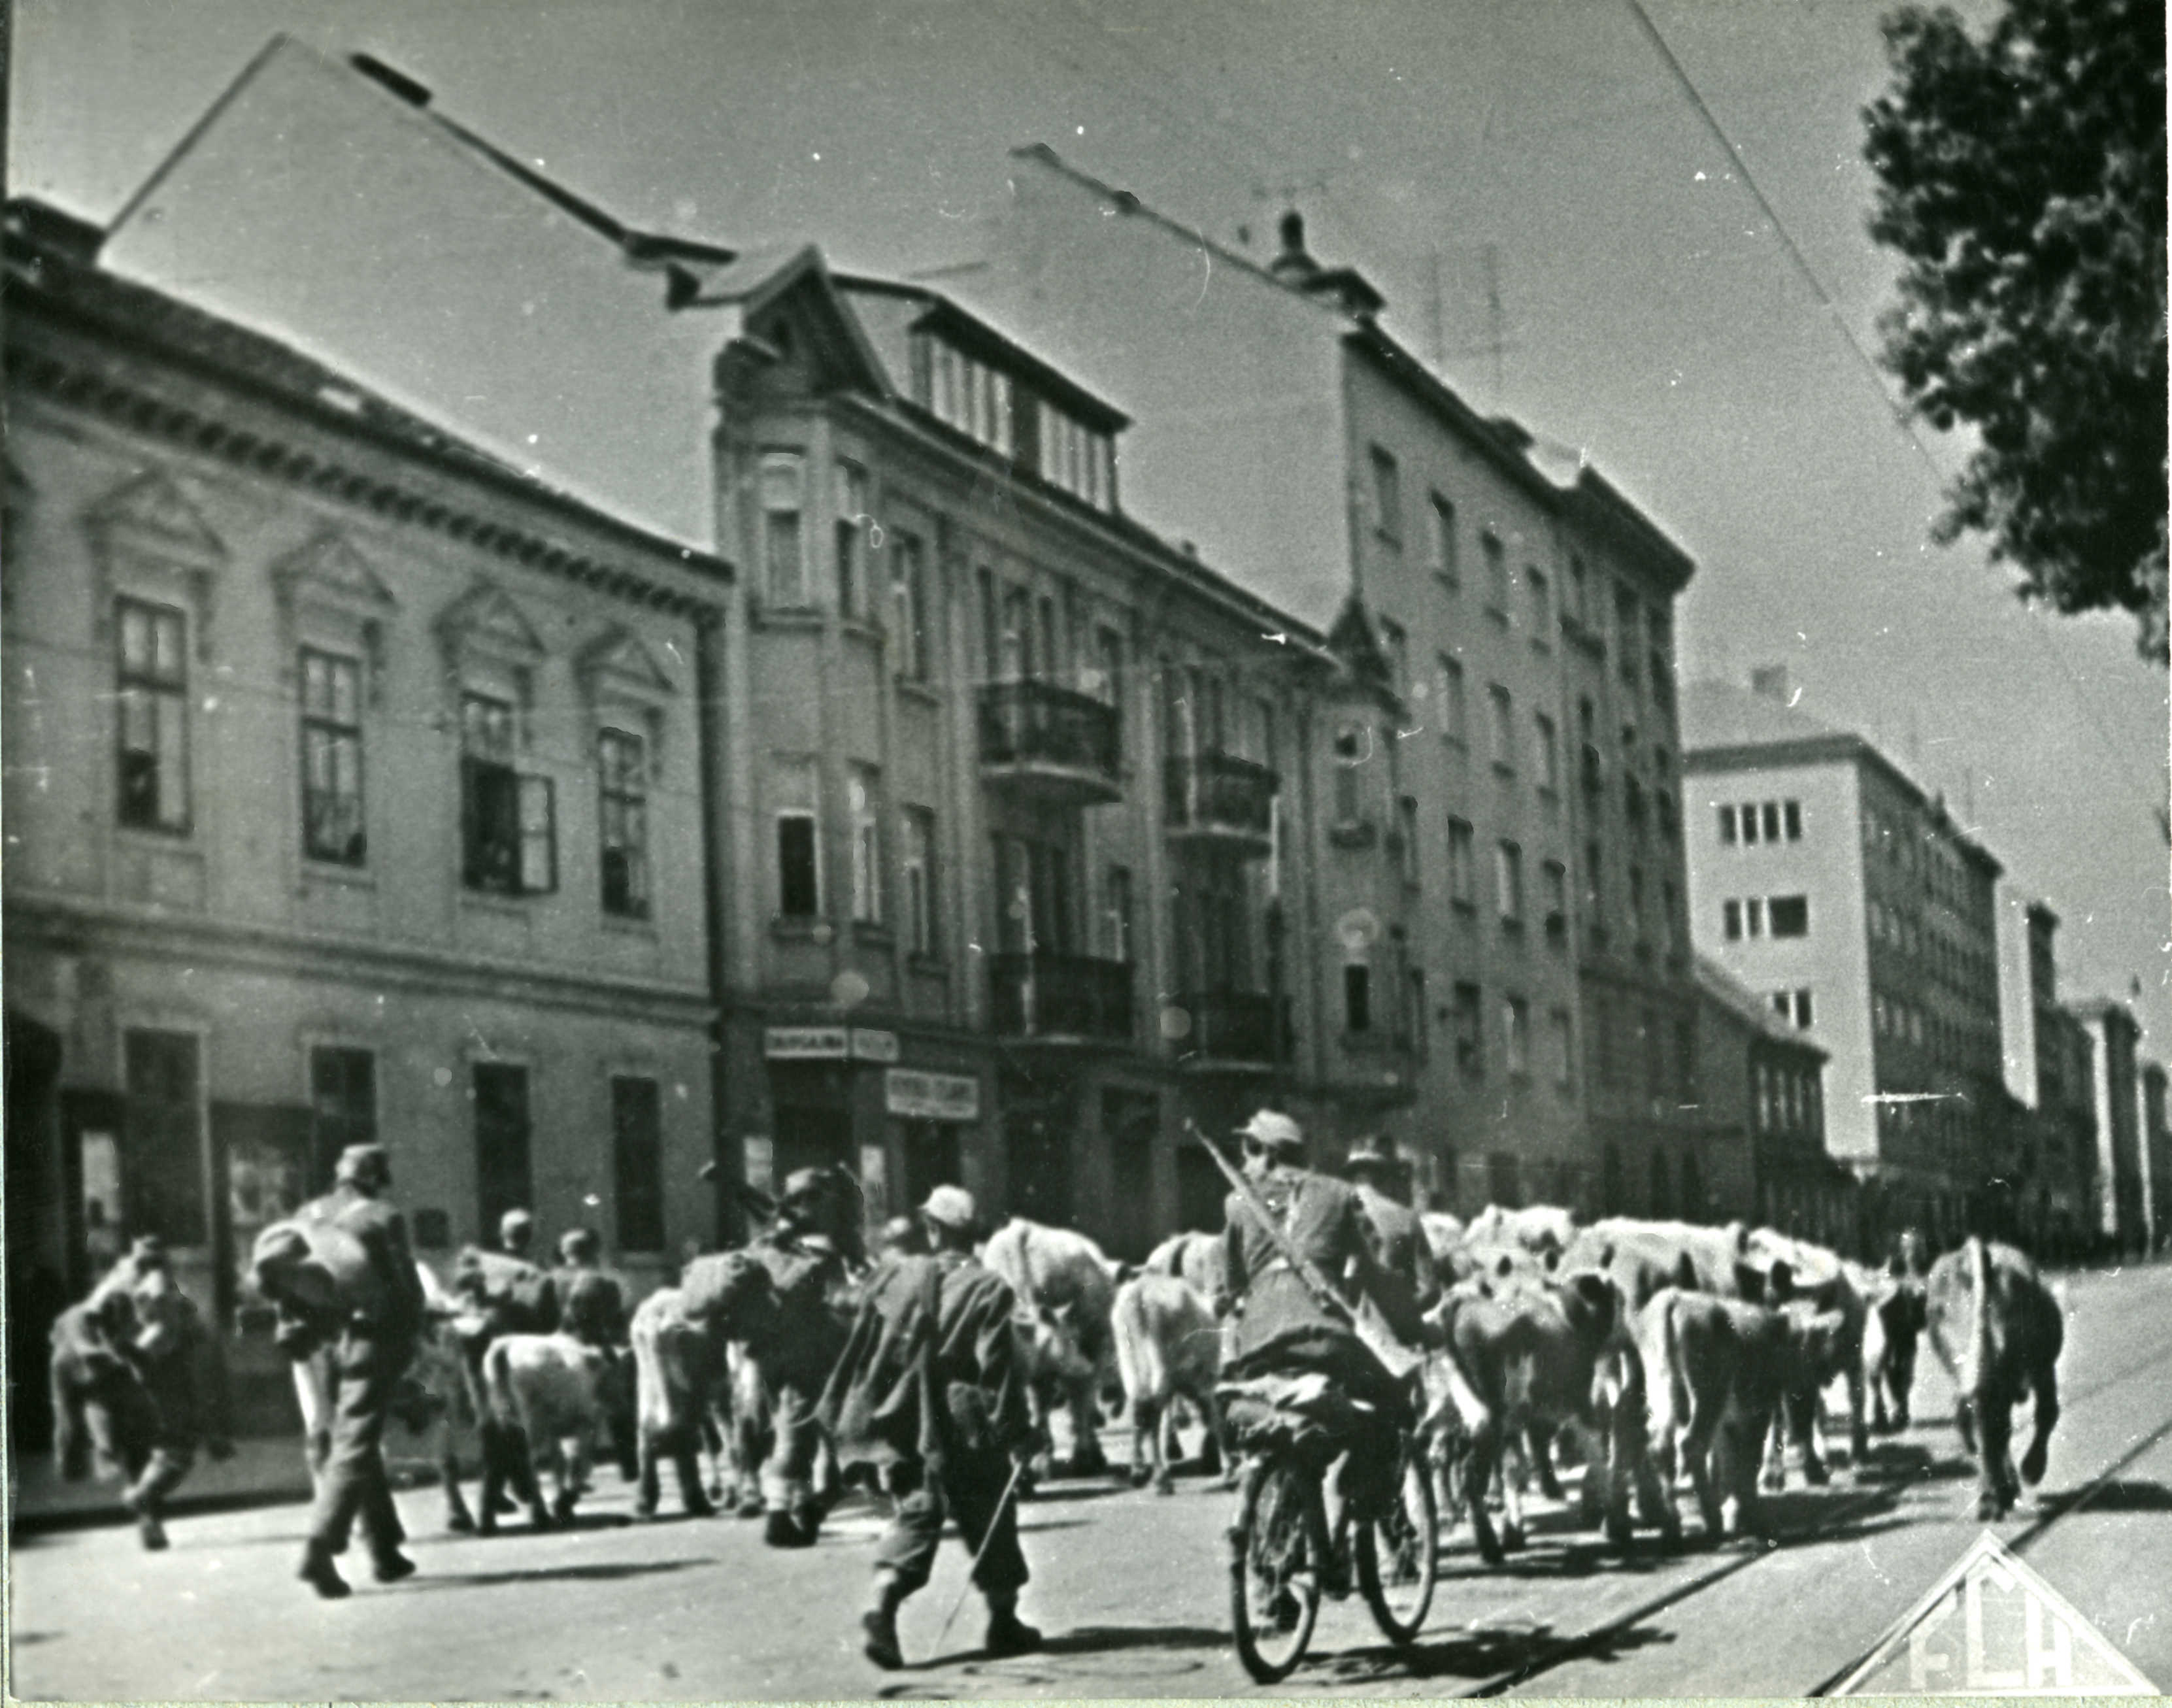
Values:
[(1409, 1282), (501, 1292), (803, 1251), (930, 1396), (352, 1288)]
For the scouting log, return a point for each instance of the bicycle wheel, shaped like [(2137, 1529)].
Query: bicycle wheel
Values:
[(1274, 1580), (1399, 1553)]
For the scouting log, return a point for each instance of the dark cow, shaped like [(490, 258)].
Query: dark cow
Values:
[(1545, 1356), (1891, 1332), (1999, 1331)]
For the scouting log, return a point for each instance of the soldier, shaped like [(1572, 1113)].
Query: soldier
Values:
[(803, 1252), (502, 1292), (592, 1302), (930, 1394), (516, 1232), (367, 1328), (1411, 1283)]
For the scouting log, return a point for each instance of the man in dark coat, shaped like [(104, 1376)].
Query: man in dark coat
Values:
[(1410, 1285), (368, 1332), (803, 1252), (930, 1394)]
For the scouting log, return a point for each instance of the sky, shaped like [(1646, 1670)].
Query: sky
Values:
[(1526, 182)]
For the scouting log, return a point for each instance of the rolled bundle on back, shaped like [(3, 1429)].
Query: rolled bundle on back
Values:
[(316, 1267)]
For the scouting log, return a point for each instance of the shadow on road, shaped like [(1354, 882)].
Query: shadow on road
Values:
[(598, 1572), (2124, 1495), (1479, 1654), (1908, 1461)]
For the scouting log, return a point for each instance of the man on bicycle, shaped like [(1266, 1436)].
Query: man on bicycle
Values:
[(1282, 1328)]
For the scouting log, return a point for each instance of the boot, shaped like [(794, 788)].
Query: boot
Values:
[(879, 1624), (783, 1529), (147, 1526), (319, 1572), (1008, 1634), (391, 1566)]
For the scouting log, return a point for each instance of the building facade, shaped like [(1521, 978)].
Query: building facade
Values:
[(1532, 905), (2121, 1203), (355, 791), (2050, 1076), (1825, 879)]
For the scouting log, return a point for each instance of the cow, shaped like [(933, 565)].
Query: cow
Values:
[(1814, 1283), (1066, 1288), (1167, 1344), (553, 1389), (1200, 1260), (1716, 1372), (1892, 1329), (1642, 1257), (1999, 1331), (1538, 1229), (1545, 1356), (679, 1378), (730, 1298)]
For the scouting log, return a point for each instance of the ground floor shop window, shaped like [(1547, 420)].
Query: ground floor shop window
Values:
[(638, 1163), (931, 1159), (162, 1161)]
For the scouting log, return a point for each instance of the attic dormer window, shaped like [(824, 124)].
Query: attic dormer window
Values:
[(1077, 458), (968, 395)]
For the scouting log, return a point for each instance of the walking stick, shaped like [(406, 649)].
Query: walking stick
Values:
[(1009, 1488)]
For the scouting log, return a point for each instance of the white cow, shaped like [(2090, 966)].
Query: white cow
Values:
[(1168, 1343), (1066, 1289), (679, 1392), (551, 1387)]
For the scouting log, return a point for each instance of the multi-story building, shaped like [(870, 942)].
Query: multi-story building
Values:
[(2121, 1218), (1827, 880), (1759, 1090), (2157, 1156), (355, 791), (1499, 833), (2050, 1074)]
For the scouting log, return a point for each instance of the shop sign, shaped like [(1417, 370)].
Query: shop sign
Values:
[(932, 1097), (804, 1043), (870, 1045)]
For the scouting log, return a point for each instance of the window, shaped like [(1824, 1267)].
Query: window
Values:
[(1414, 1006), (622, 773), (162, 1152), (799, 869), (1118, 926), (1497, 574), (332, 826), (1730, 918), (1469, 1046), (1462, 880), (1560, 1031), (638, 1163), (1542, 602), (975, 400), (153, 679), (1516, 1018), (1580, 590), (1075, 457), (498, 1092), (908, 589), (854, 592), (1791, 916), (862, 792), (1357, 997), (342, 1105), (1553, 877), (1387, 497), (917, 865), (1671, 915), (1771, 814), (1727, 826), (1628, 620), (1445, 562), (1749, 823), (1397, 642), (1548, 754), (1350, 745), (1504, 728), (1407, 860), (508, 819), (1791, 815), (1508, 881), (783, 548), (1802, 1007), (1753, 917), (1453, 723)]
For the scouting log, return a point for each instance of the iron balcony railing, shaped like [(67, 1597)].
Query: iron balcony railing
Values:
[(1218, 794), (1030, 723), (1243, 1026), (1047, 995)]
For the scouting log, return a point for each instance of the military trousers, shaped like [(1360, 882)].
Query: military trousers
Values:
[(365, 1370), (969, 1489)]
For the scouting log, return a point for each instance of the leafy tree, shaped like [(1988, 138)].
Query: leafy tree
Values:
[(2021, 176)]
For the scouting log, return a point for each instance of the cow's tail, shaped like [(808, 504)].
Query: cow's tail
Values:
[(1140, 1365), (1976, 1355), (1461, 1392), (499, 1406)]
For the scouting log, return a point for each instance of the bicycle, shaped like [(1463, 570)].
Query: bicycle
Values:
[(1283, 1558)]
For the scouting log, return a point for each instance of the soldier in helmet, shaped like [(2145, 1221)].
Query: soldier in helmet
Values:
[(804, 1250)]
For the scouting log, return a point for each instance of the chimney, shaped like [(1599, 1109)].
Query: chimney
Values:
[(1770, 682), (1293, 264)]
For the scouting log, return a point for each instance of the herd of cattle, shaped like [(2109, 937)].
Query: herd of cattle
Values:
[(1654, 1351)]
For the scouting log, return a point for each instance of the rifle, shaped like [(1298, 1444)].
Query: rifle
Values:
[(1363, 1317)]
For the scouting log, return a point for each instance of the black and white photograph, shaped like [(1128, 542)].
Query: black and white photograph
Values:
[(1079, 849)]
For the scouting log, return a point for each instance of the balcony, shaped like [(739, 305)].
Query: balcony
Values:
[(1232, 1030), (1221, 799), (1051, 745), (1061, 998)]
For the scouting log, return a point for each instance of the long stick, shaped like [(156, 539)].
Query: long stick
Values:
[(1399, 1359), (1009, 1488)]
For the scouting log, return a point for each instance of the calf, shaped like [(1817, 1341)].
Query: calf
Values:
[(1066, 1288), (678, 1377), (1999, 1331), (1545, 1357), (1716, 1372), (1168, 1343), (551, 1387)]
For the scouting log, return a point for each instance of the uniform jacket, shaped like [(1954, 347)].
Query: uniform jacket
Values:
[(381, 1231), (808, 1277), (591, 1304), (1410, 1283), (1322, 1217), (930, 1368)]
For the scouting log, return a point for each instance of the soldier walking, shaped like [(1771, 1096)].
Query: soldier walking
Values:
[(929, 1393), (1411, 1284), (803, 1252)]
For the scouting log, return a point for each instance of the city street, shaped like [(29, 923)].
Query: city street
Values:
[(1130, 1589)]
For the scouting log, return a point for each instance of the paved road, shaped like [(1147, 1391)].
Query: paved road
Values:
[(1129, 1588)]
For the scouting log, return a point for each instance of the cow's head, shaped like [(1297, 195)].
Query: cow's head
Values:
[(1592, 1303), (1819, 1338), (1058, 1341)]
